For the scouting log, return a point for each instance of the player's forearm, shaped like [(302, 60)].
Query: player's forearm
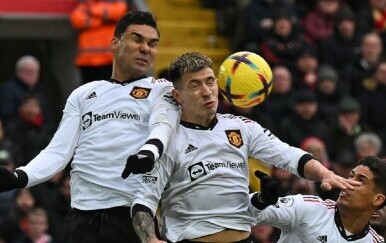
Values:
[(314, 170), (144, 226)]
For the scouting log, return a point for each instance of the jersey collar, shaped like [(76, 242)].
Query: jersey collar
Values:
[(212, 124), (114, 81), (342, 231)]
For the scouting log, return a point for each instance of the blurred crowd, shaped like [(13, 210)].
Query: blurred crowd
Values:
[(328, 98)]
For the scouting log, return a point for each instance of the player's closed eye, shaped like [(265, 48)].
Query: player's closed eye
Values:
[(211, 82), (153, 44), (193, 86)]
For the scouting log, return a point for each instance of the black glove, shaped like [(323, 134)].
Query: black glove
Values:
[(9, 181), (139, 163), (269, 191)]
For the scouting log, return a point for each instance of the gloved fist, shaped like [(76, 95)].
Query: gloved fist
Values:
[(269, 191), (9, 181), (139, 163)]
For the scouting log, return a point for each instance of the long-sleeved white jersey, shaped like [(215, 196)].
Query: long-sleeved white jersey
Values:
[(205, 173), (103, 123), (309, 219)]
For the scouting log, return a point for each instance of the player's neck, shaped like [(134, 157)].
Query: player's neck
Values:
[(354, 221), (203, 122), (124, 76)]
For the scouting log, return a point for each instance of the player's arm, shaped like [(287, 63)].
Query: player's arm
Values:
[(146, 202), (314, 170), (268, 148), (163, 120), (143, 223), (53, 158)]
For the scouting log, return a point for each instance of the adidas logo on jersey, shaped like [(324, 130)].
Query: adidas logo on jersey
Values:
[(322, 238), (190, 148), (92, 95)]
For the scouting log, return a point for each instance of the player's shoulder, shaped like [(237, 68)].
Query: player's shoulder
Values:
[(317, 204), (375, 236), (86, 88), (233, 118), (160, 86), (160, 82), (307, 200), (312, 199), (308, 205)]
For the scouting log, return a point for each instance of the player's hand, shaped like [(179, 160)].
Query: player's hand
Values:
[(331, 180), (139, 163), (9, 181), (269, 192)]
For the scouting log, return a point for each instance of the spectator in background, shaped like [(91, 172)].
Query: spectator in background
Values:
[(258, 18), (15, 224), (284, 43), (95, 20), (367, 144), (28, 129), (366, 62), (303, 186), (37, 224), (343, 46), (373, 100), (348, 127), (306, 68), (317, 148), (26, 82), (328, 93), (319, 24), (278, 103), (284, 178), (304, 121)]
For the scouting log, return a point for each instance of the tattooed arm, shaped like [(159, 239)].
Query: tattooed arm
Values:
[(144, 225)]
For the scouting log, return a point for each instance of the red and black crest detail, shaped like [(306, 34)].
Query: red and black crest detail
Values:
[(140, 92), (235, 138)]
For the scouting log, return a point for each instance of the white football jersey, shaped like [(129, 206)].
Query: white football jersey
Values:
[(309, 219), (205, 173), (103, 123)]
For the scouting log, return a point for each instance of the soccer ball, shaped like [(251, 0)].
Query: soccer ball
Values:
[(245, 79)]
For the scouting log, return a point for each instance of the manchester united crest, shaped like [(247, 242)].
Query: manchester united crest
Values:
[(234, 138), (140, 92)]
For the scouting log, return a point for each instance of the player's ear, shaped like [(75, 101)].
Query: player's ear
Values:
[(176, 95), (379, 199), (114, 42)]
